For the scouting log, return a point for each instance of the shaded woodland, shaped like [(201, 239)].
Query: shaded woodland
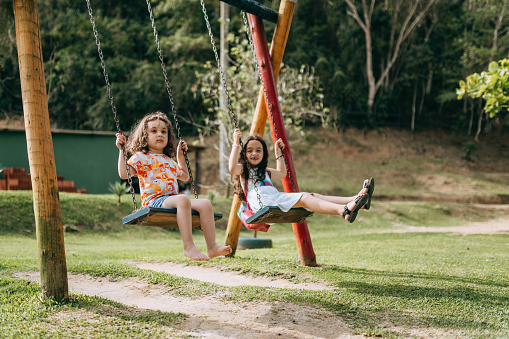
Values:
[(348, 62)]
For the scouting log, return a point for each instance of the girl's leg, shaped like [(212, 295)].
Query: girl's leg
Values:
[(208, 226), (340, 200), (183, 205), (334, 199), (323, 206)]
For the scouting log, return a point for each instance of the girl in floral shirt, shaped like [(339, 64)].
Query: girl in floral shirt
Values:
[(152, 145)]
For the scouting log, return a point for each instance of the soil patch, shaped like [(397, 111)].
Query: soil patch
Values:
[(216, 276), (212, 317)]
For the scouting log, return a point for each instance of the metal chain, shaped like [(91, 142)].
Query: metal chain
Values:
[(170, 95), (110, 95), (221, 72), (266, 95), (230, 109)]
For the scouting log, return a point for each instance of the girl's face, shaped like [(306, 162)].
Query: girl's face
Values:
[(254, 152), (157, 136)]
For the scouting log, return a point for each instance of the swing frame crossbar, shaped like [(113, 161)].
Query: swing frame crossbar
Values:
[(274, 215), (161, 217), (255, 8)]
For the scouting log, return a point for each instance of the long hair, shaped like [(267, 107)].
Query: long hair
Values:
[(138, 140), (258, 172)]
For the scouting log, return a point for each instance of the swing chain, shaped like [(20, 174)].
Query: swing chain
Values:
[(110, 95), (225, 86), (266, 95), (170, 95), (221, 71)]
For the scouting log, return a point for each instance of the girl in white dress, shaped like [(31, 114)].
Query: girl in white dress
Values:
[(256, 154)]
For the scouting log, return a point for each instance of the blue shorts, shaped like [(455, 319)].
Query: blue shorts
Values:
[(157, 202)]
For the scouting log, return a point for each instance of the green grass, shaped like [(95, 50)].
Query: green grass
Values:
[(385, 283)]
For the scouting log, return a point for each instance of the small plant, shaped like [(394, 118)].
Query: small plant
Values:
[(119, 189), (469, 149), (211, 195)]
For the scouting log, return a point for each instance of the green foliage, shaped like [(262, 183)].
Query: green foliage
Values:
[(119, 189), (492, 86), (299, 90)]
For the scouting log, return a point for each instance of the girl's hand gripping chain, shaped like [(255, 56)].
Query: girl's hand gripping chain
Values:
[(237, 136), (120, 140), (182, 146), (279, 146)]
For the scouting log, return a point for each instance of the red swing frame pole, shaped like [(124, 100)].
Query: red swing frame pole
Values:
[(300, 230)]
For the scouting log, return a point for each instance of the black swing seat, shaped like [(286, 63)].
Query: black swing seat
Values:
[(274, 215), (161, 217)]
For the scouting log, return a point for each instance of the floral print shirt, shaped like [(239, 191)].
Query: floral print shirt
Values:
[(157, 174)]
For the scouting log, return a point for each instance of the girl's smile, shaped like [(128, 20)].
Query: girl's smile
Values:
[(254, 152)]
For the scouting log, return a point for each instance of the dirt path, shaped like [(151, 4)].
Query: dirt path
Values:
[(497, 226), (210, 317)]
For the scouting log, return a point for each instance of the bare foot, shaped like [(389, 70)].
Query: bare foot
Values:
[(195, 254), (219, 250)]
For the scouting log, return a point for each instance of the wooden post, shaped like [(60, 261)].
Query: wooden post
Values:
[(300, 230), (277, 49), (234, 226), (48, 215)]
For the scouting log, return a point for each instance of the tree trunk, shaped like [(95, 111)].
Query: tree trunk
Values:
[(48, 215), (471, 120), (407, 27), (479, 122), (413, 108), (223, 101), (496, 30)]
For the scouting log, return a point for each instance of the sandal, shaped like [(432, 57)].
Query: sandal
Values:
[(370, 185), (359, 202)]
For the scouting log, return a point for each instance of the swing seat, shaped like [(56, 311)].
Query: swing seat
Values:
[(274, 215), (161, 217)]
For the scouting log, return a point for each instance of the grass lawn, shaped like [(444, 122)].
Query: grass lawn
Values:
[(385, 283)]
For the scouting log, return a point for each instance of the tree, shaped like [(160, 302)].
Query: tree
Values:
[(492, 86), (299, 90), (400, 31)]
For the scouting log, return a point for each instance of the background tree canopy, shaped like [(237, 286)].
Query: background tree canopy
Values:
[(328, 72)]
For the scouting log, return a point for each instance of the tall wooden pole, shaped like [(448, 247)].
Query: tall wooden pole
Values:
[(300, 230), (277, 50), (48, 215)]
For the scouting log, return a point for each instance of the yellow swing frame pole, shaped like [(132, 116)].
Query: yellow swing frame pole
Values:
[(277, 51), (41, 157)]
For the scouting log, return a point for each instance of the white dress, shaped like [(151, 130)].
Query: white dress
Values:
[(269, 195)]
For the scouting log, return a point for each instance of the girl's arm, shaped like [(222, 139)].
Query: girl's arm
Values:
[(280, 171), (122, 171), (234, 165), (181, 160)]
